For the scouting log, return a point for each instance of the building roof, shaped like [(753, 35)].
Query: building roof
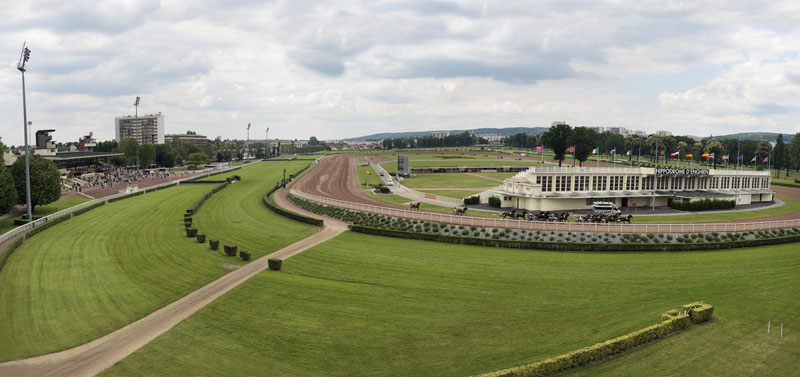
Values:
[(75, 155)]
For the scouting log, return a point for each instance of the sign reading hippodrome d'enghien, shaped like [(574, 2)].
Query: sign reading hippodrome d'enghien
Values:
[(674, 171)]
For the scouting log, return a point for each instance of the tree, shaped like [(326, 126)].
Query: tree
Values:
[(779, 155), (763, 150), (169, 160), (794, 152), (45, 181), (197, 158), (682, 147), (147, 154), (313, 141), (8, 192), (715, 147), (584, 141), (128, 146), (557, 138)]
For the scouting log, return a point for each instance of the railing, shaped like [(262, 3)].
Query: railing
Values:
[(26, 227), (551, 226)]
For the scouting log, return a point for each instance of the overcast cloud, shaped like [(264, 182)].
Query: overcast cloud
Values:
[(339, 69)]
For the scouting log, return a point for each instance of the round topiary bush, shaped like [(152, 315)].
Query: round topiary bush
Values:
[(214, 244), (201, 238), (231, 250), (191, 232), (274, 264)]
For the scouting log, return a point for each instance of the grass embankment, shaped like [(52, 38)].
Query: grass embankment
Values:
[(7, 223), (88, 276), (237, 215), (450, 181), (699, 217), (366, 305)]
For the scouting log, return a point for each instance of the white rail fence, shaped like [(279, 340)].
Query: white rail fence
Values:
[(551, 226), (26, 227)]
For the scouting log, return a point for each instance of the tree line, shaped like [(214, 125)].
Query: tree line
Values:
[(456, 140)]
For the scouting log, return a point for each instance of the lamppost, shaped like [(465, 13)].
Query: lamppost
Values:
[(655, 175), (266, 143), (247, 145), (23, 58)]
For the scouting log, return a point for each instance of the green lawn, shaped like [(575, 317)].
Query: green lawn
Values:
[(397, 199), (366, 305), (59, 205), (449, 180), (457, 194), (88, 276), (237, 215), (790, 206)]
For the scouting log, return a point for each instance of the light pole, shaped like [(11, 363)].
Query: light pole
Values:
[(655, 175), (138, 126), (247, 145), (23, 58), (266, 143)]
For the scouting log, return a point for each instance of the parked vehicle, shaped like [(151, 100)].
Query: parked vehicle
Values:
[(605, 208)]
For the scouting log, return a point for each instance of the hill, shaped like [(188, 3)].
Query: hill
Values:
[(769, 136), (477, 131)]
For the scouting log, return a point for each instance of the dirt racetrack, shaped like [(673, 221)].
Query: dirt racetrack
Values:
[(335, 178)]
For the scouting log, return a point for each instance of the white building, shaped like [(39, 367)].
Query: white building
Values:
[(440, 134), (663, 133), (547, 188), (144, 128)]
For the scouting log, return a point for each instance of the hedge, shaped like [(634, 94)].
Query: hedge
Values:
[(573, 246), (230, 250), (703, 204), (191, 232), (274, 264), (472, 200), (671, 321), (244, 255), (201, 238), (213, 244), (210, 175), (699, 311), (285, 213), (9, 250), (494, 201)]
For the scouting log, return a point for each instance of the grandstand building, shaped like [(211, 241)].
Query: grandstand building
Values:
[(547, 188)]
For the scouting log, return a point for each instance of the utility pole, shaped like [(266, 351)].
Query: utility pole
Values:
[(23, 58)]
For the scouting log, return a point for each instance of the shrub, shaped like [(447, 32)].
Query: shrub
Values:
[(214, 244), (703, 204), (201, 238), (274, 264), (190, 211), (472, 200), (494, 201), (244, 255), (231, 250), (191, 232), (187, 220)]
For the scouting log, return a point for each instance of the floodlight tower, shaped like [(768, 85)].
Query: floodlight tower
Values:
[(247, 145), (136, 117), (266, 143), (23, 58)]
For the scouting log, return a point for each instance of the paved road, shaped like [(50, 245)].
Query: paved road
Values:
[(94, 357)]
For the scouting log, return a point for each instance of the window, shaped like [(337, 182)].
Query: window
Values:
[(581, 183), (547, 183), (647, 183)]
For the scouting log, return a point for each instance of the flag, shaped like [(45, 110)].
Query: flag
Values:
[(741, 157), (571, 149), (724, 156), (614, 151), (754, 159), (629, 152), (766, 159), (690, 155), (675, 154), (596, 150), (705, 155), (538, 149), (661, 153), (711, 155)]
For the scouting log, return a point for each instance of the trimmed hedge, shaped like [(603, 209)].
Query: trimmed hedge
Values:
[(245, 255), (191, 232), (703, 204), (472, 200), (274, 264), (9, 250), (231, 250), (201, 238), (211, 175), (669, 324), (213, 244), (574, 246), (699, 311), (494, 201)]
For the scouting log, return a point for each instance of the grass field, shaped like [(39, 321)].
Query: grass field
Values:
[(237, 215), (60, 205), (449, 180), (88, 276), (397, 199), (367, 305), (790, 206), (457, 194)]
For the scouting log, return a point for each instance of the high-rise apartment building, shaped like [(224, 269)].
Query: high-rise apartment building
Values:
[(144, 128)]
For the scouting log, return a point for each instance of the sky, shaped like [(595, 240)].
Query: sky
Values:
[(337, 69)]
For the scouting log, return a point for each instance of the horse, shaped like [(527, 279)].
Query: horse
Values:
[(626, 219), (414, 206), (459, 211)]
